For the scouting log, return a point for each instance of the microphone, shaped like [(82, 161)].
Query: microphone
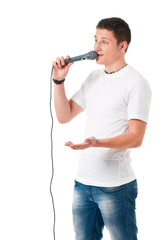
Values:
[(92, 55)]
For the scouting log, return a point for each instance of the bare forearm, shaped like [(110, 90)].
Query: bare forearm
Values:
[(132, 139), (128, 140), (61, 104)]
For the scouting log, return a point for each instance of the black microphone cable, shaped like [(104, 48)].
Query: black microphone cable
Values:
[(51, 139)]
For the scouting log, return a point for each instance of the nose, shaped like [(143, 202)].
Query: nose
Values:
[(97, 47)]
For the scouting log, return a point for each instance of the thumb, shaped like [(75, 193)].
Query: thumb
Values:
[(87, 140), (69, 64)]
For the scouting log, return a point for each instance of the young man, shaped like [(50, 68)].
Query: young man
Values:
[(117, 100)]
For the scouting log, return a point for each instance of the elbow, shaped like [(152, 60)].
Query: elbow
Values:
[(63, 121), (138, 143)]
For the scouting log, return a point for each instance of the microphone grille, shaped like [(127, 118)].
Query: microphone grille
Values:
[(92, 55)]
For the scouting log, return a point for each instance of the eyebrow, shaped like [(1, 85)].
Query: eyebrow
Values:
[(103, 38)]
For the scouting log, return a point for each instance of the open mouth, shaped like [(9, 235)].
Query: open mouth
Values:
[(99, 56)]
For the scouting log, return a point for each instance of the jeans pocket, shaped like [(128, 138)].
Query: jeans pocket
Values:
[(112, 189)]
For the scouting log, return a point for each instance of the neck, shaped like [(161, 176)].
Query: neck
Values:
[(116, 66)]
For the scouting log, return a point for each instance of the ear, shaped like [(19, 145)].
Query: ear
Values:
[(123, 46)]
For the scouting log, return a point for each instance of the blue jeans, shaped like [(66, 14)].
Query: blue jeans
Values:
[(114, 207)]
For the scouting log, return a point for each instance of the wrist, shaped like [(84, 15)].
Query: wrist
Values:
[(58, 81), (96, 143), (105, 143)]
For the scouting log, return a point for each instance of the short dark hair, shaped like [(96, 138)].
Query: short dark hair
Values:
[(119, 28)]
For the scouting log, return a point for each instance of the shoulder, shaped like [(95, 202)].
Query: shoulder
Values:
[(136, 78), (134, 74)]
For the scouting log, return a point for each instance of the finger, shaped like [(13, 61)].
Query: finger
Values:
[(67, 57), (69, 64), (81, 145), (58, 62), (73, 146), (54, 64), (68, 143), (62, 61), (87, 141), (76, 147), (90, 140)]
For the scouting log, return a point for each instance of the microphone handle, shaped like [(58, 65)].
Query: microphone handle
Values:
[(78, 58)]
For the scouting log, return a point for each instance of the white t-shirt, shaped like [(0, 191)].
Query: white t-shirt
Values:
[(110, 101)]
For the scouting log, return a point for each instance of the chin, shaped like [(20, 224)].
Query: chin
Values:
[(99, 62)]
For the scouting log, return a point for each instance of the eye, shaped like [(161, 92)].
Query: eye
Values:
[(104, 42)]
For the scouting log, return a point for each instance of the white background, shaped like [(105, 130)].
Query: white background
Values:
[(33, 33)]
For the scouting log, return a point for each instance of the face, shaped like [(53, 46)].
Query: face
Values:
[(107, 48)]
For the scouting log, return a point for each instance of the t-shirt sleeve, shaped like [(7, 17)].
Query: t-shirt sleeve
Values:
[(139, 100), (79, 97)]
